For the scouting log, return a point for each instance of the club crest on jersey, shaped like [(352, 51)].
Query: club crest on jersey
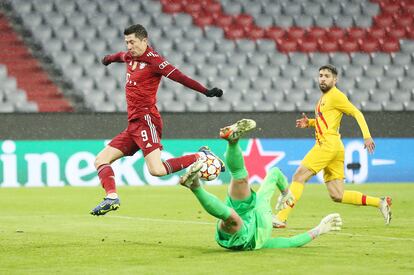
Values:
[(142, 65)]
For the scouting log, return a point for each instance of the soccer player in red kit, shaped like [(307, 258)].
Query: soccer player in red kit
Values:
[(145, 67)]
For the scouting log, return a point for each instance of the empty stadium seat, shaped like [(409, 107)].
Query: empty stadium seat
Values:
[(237, 45)]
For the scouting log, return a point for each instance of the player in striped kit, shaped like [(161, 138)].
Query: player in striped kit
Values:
[(328, 152), (144, 67)]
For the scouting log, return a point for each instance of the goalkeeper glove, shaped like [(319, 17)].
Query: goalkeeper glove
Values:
[(215, 92), (332, 222), (285, 200)]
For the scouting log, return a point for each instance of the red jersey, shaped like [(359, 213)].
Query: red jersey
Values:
[(143, 78)]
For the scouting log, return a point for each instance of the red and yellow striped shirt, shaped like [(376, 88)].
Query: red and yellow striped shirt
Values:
[(328, 114)]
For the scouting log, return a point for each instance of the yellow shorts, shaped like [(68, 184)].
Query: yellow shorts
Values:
[(329, 157)]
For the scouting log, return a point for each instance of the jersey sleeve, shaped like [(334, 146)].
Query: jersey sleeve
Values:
[(345, 106), (311, 122), (119, 57), (162, 66)]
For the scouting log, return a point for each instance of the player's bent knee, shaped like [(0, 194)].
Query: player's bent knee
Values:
[(336, 197), (232, 224), (99, 162), (156, 172)]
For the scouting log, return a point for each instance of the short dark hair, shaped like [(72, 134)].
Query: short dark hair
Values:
[(330, 68), (138, 29)]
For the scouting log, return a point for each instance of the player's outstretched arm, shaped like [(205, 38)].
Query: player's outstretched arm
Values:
[(332, 222), (117, 57), (305, 122), (179, 77)]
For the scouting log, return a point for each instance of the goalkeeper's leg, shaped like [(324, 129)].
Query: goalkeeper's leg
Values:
[(332, 222), (239, 188), (231, 221), (274, 179)]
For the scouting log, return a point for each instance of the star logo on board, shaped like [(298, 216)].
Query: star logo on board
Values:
[(259, 161)]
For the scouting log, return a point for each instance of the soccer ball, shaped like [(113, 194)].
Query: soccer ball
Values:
[(211, 168)]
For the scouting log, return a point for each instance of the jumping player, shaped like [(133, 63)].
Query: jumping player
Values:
[(245, 219), (145, 67), (328, 153)]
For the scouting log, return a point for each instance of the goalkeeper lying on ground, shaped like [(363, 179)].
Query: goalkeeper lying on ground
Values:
[(245, 219)]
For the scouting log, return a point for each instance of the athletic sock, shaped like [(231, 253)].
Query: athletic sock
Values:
[(296, 188), (295, 241), (106, 175), (235, 161), (177, 164), (357, 198), (212, 204)]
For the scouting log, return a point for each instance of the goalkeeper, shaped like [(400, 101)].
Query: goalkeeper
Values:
[(245, 219)]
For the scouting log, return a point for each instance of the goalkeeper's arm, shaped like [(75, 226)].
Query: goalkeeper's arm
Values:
[(332, 222)]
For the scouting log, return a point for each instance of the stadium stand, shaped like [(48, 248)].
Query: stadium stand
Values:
[(24, 86), (265, 54)]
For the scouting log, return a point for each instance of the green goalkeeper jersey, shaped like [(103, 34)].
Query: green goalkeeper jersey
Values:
[(257, 224)]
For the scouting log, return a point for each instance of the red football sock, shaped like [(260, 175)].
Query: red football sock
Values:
[(177, 164), (106, 175)]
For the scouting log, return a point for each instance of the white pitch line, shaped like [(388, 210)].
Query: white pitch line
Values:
[(210, 223)]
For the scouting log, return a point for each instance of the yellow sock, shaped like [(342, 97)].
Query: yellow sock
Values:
[(357, 198), (297, 189)]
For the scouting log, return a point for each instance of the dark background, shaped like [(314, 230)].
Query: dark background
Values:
[(189, 125)]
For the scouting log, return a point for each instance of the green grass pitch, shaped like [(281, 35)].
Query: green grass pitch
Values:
[(163, 230)]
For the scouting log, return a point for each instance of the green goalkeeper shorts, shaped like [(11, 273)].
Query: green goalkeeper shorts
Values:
[(257, 223)]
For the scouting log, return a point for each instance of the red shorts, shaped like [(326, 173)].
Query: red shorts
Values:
[(142, 133)]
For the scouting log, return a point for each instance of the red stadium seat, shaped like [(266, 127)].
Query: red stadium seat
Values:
[(390, 45), (377, 32), (369, 44), (287, 45), (348, 45), (172, 7), (308, 44), (383, 20), (254, 32), (335, 33), (213, 7), (223, 20), (202, 19), (410, 33), (234, 32), (244, 20), (404, 19), (356, 33), (193, 7), (408, 6), (295, 32), (390, 7), (274, 33), (316, 32), (327, 45), (397, 32)]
